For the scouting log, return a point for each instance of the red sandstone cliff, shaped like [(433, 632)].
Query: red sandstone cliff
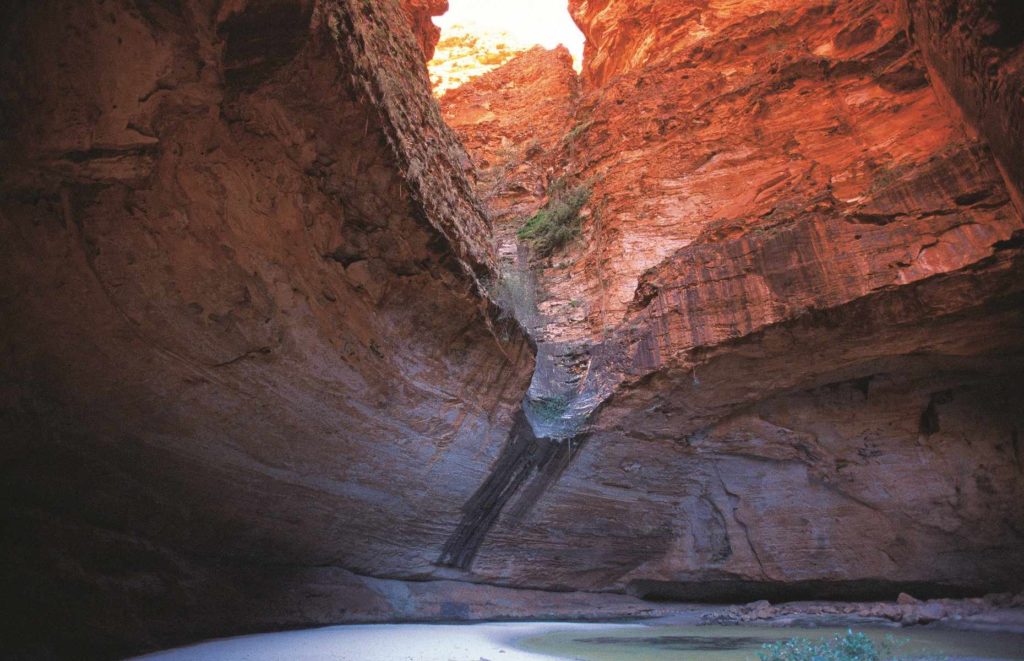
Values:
[(795, 300), (419, 14), (973, 48), (513, 121)]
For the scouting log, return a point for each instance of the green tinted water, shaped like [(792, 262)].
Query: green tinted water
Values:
[(742, 643)]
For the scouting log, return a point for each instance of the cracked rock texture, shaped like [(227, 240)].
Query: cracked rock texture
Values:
[(252, 376), (514, 121)]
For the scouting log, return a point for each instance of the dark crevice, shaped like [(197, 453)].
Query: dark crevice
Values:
[(723, 591), (262, 39), (260, 351), (83, 155), (524, 458), (929, 421)]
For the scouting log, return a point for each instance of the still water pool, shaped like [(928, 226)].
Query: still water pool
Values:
[(742, 643)]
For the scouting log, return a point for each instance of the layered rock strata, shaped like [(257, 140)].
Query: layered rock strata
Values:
[(793, 358)]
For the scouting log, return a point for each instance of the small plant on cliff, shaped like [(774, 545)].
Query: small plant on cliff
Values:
[(549, 409), (849, 647), (559, 221), (577, 130)]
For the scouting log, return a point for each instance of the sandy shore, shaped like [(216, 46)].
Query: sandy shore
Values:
[(379, 642), (536, 641)]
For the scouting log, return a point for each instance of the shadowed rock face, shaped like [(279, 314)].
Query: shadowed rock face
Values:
[(419, 14), (974, 47), (251, 376), (242, 322)]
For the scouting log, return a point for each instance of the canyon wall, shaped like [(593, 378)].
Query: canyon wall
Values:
[(262, 366), (243, 332), (974, 49), (515, 160), (792, 320), (419, 14)]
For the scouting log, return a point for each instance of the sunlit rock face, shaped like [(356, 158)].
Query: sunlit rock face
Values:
[(463, 55), (477, 37), (763, 115), (513, 122), (243, 331), (794, 310)]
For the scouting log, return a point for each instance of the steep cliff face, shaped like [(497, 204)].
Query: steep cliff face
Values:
[(975, 49), (419, 14), (513, 121), (794, 331), (623, 37), (798, 108), (243, 329)]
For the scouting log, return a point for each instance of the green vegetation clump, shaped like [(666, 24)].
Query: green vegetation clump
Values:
[(849, 647), (577, 131), (558, 222), (550, 409)]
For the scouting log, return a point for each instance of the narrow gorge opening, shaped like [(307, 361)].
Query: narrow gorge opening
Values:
[(477, 37), (535, 202)]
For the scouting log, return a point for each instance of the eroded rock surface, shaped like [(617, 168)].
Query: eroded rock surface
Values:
[(514, 122), (795, 315), (420, 14), (993, 611), (975, 49), (243, 323)]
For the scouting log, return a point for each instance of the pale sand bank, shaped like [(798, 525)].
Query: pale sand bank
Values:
[(380, 642)]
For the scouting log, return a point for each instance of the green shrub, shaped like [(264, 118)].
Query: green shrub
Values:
[(551, 408), (849, 647), (577, 131), (558, 222)]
